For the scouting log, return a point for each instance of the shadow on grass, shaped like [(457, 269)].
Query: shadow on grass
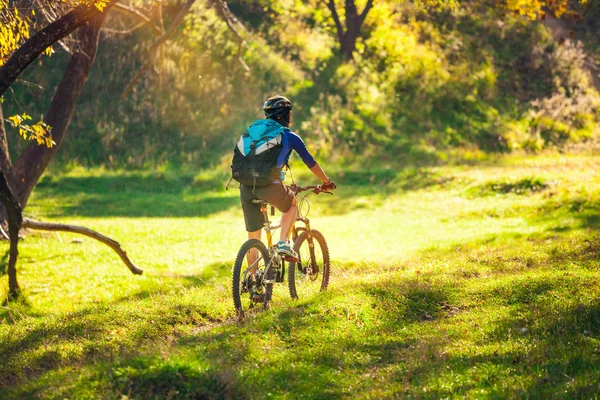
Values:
[(39, 343), (584, 210), (158, 195), (388, 337), (134, 195), (216, 271), (96, 333), (143, 194), (541, 349), (369, 189), (4, 263)]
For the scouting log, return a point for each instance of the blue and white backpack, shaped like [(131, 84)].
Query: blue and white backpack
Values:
[(255, 156)]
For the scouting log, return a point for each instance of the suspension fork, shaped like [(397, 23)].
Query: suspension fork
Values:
[(311, 247)]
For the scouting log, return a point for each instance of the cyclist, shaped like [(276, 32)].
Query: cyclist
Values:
[(279, 109)]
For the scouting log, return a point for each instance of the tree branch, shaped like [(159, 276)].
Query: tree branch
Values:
[(46, 226), (366, 10), (45, 12), (240, 58), (139, 15), (351, 11), (233, 24), (172, 29), (32, 162), (5, 161), (336, 18), (39, 42), (124, 32), (230, 19), (147, 67)]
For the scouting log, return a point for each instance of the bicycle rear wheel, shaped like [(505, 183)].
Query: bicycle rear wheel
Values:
[(311, 273), (242, 299)]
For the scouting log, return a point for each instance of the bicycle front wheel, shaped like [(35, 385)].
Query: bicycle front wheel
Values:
[(311, 273), (248, 270)]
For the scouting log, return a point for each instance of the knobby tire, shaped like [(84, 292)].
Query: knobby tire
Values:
[(324, 267), (237, 273)]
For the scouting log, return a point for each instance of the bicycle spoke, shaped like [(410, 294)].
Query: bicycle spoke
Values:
[(249, 288), (253, 264), (311, 273)]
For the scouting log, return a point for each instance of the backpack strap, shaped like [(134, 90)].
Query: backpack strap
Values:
[(287, 165)]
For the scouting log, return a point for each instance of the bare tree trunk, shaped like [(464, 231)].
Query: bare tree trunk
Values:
[(5, 161), (353, 24), (6, 168), (15, 218), (32, 163), (349, 35), (348, 43)]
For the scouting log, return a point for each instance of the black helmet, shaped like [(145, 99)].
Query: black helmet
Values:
[(276, 105)]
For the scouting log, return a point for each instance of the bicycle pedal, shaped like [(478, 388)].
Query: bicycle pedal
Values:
[(290, 259)]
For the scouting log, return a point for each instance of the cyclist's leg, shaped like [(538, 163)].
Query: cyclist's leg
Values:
[(282, 197), (287, 221), (254, 220), (253, 254)]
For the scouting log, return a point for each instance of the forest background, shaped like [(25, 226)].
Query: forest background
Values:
[(463, 136), (424, 80)]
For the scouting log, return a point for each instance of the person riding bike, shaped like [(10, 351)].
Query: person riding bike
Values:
[(279, 109)]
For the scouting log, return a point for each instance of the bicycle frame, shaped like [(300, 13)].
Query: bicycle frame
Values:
[(270, 229), (276, 260)]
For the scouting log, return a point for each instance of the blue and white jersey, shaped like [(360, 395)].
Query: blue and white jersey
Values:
[(290, 142)]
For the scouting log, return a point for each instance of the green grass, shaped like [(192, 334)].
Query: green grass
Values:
[(447, 282)]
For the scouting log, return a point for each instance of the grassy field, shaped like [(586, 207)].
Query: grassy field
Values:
[(469, 280)]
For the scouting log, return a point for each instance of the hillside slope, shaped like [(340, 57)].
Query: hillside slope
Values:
[(423, 81)]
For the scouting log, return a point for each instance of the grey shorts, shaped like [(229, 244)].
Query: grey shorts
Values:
[(276, 194)]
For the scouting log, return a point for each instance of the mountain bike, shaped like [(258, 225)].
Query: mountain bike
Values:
[(261, 266)]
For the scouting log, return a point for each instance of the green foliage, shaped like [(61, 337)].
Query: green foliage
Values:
[(534, 9), (425, 80), (190, 114), (39, 132), (15, 29)]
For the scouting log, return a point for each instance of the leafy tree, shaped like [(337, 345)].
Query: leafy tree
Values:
[(535, 9), (353, 21), (349, 22), (18, 49)]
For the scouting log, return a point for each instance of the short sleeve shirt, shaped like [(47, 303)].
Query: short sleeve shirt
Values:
[(291, 141)]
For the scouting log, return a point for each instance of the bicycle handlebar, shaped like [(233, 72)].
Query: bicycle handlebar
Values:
[(316, 189)]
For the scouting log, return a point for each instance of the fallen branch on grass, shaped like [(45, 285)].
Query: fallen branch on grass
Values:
[(46, 226)]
